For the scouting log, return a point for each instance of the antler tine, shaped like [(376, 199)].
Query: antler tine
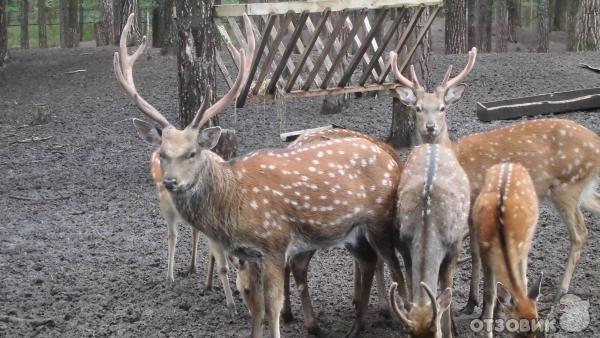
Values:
[(447, 76), (233, 92), (431, 298), (461, 76), (399, 312), (123, 65), (414, 77), (414, 84), (202, 108)]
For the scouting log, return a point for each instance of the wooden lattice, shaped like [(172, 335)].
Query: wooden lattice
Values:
[(319, 48)]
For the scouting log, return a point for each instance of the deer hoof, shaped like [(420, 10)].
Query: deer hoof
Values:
[(193, 269), (314, 329), (287, 316), (355, 331), (385, 313)]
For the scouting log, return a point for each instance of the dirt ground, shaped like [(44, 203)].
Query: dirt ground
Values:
[(82, 244)]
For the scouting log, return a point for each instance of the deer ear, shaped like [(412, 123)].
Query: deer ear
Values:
[(444, 300), (455, 93), (147, 132), (504, 296), (405, 95), (209, 137), (536, 288)]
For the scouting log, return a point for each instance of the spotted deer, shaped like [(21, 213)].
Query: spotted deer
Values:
[(298, 265), (504, 216), (432, 215), (562, 157), (276, 203)]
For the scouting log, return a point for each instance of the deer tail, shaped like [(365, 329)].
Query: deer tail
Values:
[(590, 198)]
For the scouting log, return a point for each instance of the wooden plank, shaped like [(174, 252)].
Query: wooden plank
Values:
[(420, 37), (363, 48), (223, 69), (292, 135), (281, 48), (271, 55), (314, 7), (409, 29), (341, 53), (286, 54), (306, 53), (375, 46), (552, 103), (329, 91), (384, 43), (237, 32), (256, 59), (226, 40), (326, 49), (319, 45)]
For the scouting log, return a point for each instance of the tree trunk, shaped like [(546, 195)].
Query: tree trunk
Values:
[(456, 26), (485, 26), (588, 30), (166, 26), (3, 33), (42, 31), (572, 9), (69, 35), (104, 28), (80, 7), (116, 13), (472, 19), (24, 24), (558, 20), (543, 41), (196, 57), (501, 26), (402, 133), (514, 19), (121, 13)]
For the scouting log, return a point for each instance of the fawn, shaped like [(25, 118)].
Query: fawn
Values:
[(504, 216)]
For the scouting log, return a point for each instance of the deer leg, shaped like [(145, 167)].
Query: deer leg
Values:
[(357, 286), (567, 202), (474, 298), (367, 270), (220, 257), (171, 219), (209, 273), (195, 238), (272, 278), (447, 281), (300, 264), (387, 250), (384, 307), (489, 298), (286, 313), (256, 305)]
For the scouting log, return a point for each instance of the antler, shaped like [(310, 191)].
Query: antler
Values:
[(123, 64), (399, 310), (414, 84), (245, 61), (447, 82), (434, 304)]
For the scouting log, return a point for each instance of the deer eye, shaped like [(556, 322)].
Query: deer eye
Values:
[(418, 109), (192, 154), (442, 109)]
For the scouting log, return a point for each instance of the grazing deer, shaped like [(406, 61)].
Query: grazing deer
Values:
[(276, 203), (504, 216), (562, 157), (432, 215), (298, 265)]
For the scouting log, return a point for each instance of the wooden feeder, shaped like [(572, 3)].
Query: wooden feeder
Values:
[(320, 48)]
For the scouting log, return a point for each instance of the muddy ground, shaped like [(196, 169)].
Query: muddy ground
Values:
[(82, 244)]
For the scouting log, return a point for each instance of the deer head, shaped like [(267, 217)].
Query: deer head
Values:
[(520, 306), (430, 108), (183, 153), (422, 320)]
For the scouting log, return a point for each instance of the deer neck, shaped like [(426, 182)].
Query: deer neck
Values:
[(211, 203)]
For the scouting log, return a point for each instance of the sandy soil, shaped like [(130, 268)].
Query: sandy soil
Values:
[(82, 244)]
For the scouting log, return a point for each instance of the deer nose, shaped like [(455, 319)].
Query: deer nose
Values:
[(430, 126), (170, 183)]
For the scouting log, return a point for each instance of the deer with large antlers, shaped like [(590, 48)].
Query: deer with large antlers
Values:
[(123, 63), (562, 157), (505, 215), (432, 215), (277, 203)]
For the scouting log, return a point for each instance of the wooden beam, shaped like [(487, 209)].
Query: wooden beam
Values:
[(226, 40), (342, 52), (363, 48), (283, 27), (286, 54), (329, 91), (386, 40), (315, 7), (560, 102), (409, 28), (223, 69), (336, 31), (307, 50), (241, 100)]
